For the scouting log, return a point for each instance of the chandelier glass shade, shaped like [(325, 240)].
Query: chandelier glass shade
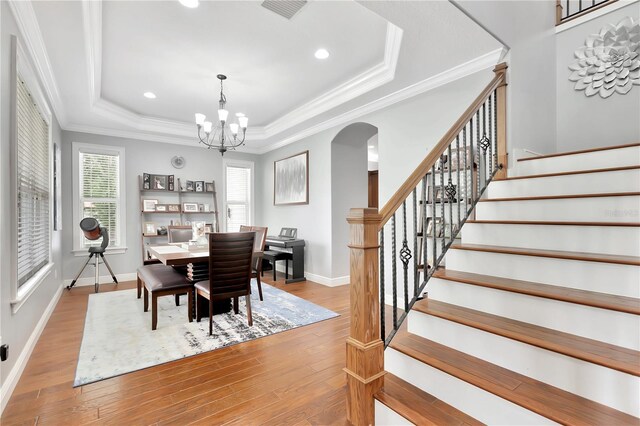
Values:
[(223, 136)]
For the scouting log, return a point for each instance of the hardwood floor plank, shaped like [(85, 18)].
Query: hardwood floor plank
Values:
[(303, 365)]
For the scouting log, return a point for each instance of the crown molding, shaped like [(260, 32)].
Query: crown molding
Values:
[(34, 43), (144, 136), (463, 70), (374, 77)]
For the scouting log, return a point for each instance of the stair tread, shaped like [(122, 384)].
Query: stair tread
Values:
[(418, 406), (553, 223), (574, 172), (605, 354), (558, 254), (613, 302), (559, 197), (556, 404), (582, 151)]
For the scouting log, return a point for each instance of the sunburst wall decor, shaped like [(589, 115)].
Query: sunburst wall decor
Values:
[(609, 62)]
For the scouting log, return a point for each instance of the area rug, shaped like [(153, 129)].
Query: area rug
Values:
[(118, 338)]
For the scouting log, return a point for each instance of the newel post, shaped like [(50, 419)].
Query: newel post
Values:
[(501, 121), (558, 12), (365, 349)]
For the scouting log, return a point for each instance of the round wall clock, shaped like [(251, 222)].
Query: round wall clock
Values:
[(177, 162)]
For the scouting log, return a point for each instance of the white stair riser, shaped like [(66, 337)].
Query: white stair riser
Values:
[(588, 161), (623, 280), (604, 385), (483, 406), (616, 328), (592, 209), (385, 416), (589, 183), (617, 240)]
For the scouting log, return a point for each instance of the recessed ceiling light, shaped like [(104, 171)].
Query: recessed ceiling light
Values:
[(149, 95), (322, 54), (190, 3)]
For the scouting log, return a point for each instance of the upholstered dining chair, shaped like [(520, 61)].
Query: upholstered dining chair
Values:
[(258, 251), (230, 267), (179, 233)]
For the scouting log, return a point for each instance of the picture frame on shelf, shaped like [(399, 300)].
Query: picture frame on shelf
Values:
[(159, 182), (208, 187), (201, 208), (291, 180), (190, 207), (444, 162), (439, 195), (161, 207), (174, 208), (149, 205), (171, 183), (146, 181), (189, 185), (199, 186), (206, 208), (149, 229), (208, 228)]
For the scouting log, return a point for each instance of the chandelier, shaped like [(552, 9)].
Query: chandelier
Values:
[(222, 136)]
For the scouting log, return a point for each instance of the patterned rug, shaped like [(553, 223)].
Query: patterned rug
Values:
[(118, 338)]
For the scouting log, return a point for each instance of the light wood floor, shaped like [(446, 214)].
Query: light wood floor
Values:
[(291, 378)]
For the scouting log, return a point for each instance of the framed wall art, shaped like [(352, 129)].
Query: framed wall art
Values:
[(291, 180)]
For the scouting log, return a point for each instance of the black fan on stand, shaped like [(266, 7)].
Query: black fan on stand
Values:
[(92, 231)]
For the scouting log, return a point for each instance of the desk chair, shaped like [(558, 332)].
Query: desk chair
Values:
[(258, 251), (230, 267)]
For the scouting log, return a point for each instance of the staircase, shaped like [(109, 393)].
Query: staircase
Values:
[(536, 317)]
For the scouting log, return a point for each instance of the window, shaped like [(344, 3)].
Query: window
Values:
[(238, 194), (33, 173), (98, 192)]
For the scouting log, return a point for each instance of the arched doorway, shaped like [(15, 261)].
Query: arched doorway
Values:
[(349, 187)]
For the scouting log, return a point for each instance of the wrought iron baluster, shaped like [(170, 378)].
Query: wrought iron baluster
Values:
[(466, 176), (425, 204), (415, 245), (405, 256), (442, 228), (495, 129), (579, 5), (473, 161), (382, 305), (479, 172), (394, 272), (450, 192), (433, 215), (568, 13), (459, 185)]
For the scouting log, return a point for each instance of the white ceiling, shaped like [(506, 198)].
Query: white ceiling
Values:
[(99, 57)]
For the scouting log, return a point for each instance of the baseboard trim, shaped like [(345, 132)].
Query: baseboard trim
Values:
[(320, 279), (103, 279), (10, 383)]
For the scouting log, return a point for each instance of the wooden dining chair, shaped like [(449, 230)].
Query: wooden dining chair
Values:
[(258, 251), (230, 267)]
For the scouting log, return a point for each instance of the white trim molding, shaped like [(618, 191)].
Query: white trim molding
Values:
[(30, 31), (376, 76), (102, 279), (13, 377), (463, 70), (321, 279), (593, 15)]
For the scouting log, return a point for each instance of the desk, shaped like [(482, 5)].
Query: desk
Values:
[(297, 252)]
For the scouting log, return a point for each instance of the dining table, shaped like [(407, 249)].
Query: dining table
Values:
[(193, 262)]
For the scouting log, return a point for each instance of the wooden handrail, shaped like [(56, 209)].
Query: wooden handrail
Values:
[(414, 179)]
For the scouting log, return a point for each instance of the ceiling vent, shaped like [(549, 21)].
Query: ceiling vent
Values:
[(284, 8)]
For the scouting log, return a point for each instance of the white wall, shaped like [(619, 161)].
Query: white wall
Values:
[(590, 122), (140, 157), (349, 187), (406, 133), (528, 28), (16, 329)]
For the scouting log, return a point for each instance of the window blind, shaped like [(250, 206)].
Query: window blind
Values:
[(238, 194), (99, 192), (32, 133)]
